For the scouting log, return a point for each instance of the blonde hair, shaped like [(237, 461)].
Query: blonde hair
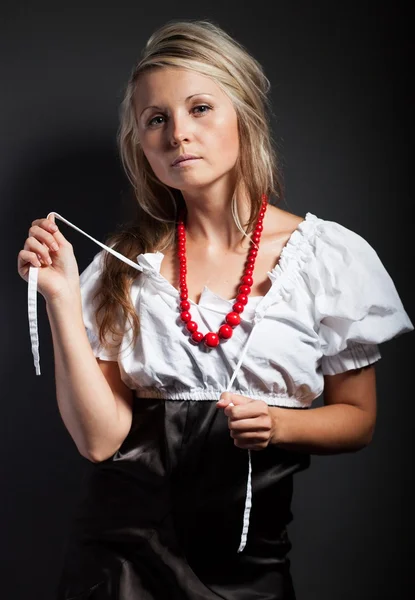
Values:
[(203, 47)]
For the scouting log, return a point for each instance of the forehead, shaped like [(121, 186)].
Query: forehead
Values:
[(161, 84)]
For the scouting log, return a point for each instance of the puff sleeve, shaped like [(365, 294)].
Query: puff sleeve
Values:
[(89, 281), (356, 302)]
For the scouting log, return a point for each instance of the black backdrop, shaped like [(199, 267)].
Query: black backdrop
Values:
[(343, 120)]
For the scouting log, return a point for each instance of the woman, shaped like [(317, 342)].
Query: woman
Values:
[(240, 315)]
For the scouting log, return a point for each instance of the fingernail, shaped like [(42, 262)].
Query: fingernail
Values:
[(55, 247), (53, 227)]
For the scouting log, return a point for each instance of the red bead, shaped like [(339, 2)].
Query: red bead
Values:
[(211, 339), (233, 318), (191, 326), (225, 331), (238, 307), (242, 298), (247, 280), (244, 289), (197, 336)]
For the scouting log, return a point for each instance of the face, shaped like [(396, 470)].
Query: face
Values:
[(181, 112)]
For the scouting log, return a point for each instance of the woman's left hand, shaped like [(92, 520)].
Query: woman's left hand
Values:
[(251, 423)]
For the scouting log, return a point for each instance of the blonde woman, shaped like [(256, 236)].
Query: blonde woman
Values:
[(190, 350)]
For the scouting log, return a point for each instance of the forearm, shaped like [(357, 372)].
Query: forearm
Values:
[(85, 399), (328, 429)]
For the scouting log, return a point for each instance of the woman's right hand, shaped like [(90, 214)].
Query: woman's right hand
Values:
[(59, 277)]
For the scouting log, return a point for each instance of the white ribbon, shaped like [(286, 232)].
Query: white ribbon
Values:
[(32, 290), (248, 497), (34, 337)]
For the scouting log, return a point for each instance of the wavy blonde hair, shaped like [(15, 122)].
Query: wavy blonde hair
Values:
[(203, 47)]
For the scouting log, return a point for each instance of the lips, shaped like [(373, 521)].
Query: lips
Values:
[(184, 158)]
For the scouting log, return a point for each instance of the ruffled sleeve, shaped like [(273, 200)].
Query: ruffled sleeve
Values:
[(356, 302), (89, 282)]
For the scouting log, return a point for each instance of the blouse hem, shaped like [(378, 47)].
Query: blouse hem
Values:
[(214, 395)]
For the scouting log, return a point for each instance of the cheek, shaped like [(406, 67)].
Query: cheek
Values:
[(153, 156), (226, 138)]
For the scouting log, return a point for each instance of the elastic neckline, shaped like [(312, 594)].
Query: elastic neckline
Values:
[(151, 262)]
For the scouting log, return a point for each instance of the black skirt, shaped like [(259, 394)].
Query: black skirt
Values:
[(162, 518)]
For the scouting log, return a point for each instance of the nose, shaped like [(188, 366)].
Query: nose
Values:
[(180, 129)]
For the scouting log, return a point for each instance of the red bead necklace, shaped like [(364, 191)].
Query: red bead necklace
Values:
[(232, 319)]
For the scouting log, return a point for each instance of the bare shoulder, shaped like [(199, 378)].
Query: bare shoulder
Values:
[(280, 223)]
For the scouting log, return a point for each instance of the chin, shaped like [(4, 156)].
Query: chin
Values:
[(188, 183)]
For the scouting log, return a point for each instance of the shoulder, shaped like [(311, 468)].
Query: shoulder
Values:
[(325, 251), (324, 237), (280, 222), (282, 229)]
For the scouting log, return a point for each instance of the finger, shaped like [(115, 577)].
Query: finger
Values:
[(256, 424), (228, 398), (25, 256), (238, 399), (44, 236), (41, 250), (48, 224), (250, 444), (245, 411), (249, 437), (224, 400)]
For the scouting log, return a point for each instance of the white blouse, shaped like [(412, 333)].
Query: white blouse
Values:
[(330, 304)]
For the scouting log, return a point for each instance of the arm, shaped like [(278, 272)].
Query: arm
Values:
[(345, 423), (94, 403)]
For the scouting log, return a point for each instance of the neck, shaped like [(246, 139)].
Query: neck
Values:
[(209, 220)]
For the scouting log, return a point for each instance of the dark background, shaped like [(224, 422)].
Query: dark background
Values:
[(343, 121)]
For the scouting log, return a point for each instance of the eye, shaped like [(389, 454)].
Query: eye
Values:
[(206, 108), (154, 121)]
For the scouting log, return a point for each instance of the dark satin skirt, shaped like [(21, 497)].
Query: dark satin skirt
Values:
[(162, 518)]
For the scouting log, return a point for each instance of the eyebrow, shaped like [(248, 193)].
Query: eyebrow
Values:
[(188, 98)]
